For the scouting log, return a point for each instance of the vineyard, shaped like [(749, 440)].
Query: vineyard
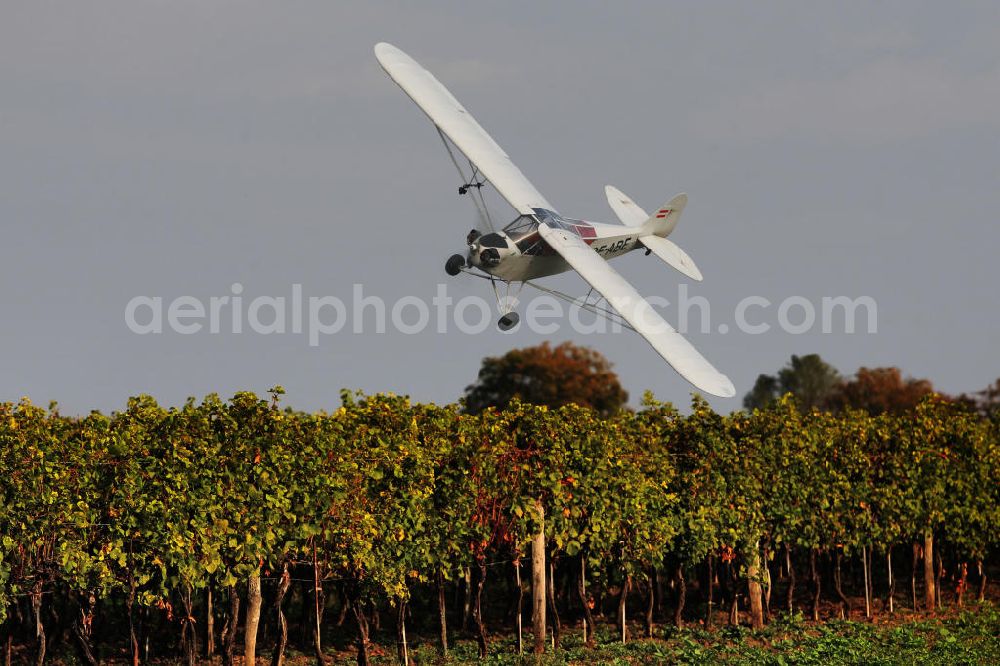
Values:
[(178, 533)]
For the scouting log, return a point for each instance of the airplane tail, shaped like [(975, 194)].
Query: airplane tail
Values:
[(663, 220), (654, 229), (660, 223)]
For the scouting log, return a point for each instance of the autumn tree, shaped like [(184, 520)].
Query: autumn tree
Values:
[(880, 391), (809, 378), (546, 375)]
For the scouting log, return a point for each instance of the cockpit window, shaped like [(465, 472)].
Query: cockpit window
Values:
[(520, 226), (524, 232), (532, 245), (576, 227)]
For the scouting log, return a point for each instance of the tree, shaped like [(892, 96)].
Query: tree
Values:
[(987, 401), (548, 377), (765, 390), (880, 391), (809, 378), (545, 375)]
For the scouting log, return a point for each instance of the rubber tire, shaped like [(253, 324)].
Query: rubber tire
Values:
[(508, 321), (454, 265)]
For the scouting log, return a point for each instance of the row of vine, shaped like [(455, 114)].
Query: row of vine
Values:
[(388, 503)]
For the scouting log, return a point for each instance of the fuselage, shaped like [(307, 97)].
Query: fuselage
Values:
[(518, 253)]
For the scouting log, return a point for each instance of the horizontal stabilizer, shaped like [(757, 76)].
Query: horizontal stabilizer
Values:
[(672, 255), (628, 211)]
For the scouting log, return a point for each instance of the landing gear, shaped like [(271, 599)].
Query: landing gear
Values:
[(454, 265), (506, 303), (508, 321)]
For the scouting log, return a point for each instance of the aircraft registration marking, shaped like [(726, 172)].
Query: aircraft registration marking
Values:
[(613, 248)]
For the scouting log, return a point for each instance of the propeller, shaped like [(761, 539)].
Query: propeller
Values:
[(482, 221), (482, 224)]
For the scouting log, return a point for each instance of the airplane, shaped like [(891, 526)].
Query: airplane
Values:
[(540, 242)]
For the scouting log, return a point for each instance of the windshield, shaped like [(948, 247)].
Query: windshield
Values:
[(524, 232)]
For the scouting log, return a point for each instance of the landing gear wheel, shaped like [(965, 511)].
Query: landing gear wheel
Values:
[(454, 265), (508, 321)]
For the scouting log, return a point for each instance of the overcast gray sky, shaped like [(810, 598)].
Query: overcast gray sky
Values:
[(174, 148)]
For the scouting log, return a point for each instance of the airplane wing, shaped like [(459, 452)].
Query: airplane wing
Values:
[(622, 296), (461, 128)]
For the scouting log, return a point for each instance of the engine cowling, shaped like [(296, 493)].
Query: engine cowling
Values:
[(488, 250), (489, 258)]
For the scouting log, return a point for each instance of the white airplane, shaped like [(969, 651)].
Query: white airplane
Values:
[(541, 242)]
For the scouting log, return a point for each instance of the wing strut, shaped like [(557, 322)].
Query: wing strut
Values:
[(470, 182), (634, 309), (585, 304), (468, 136)]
